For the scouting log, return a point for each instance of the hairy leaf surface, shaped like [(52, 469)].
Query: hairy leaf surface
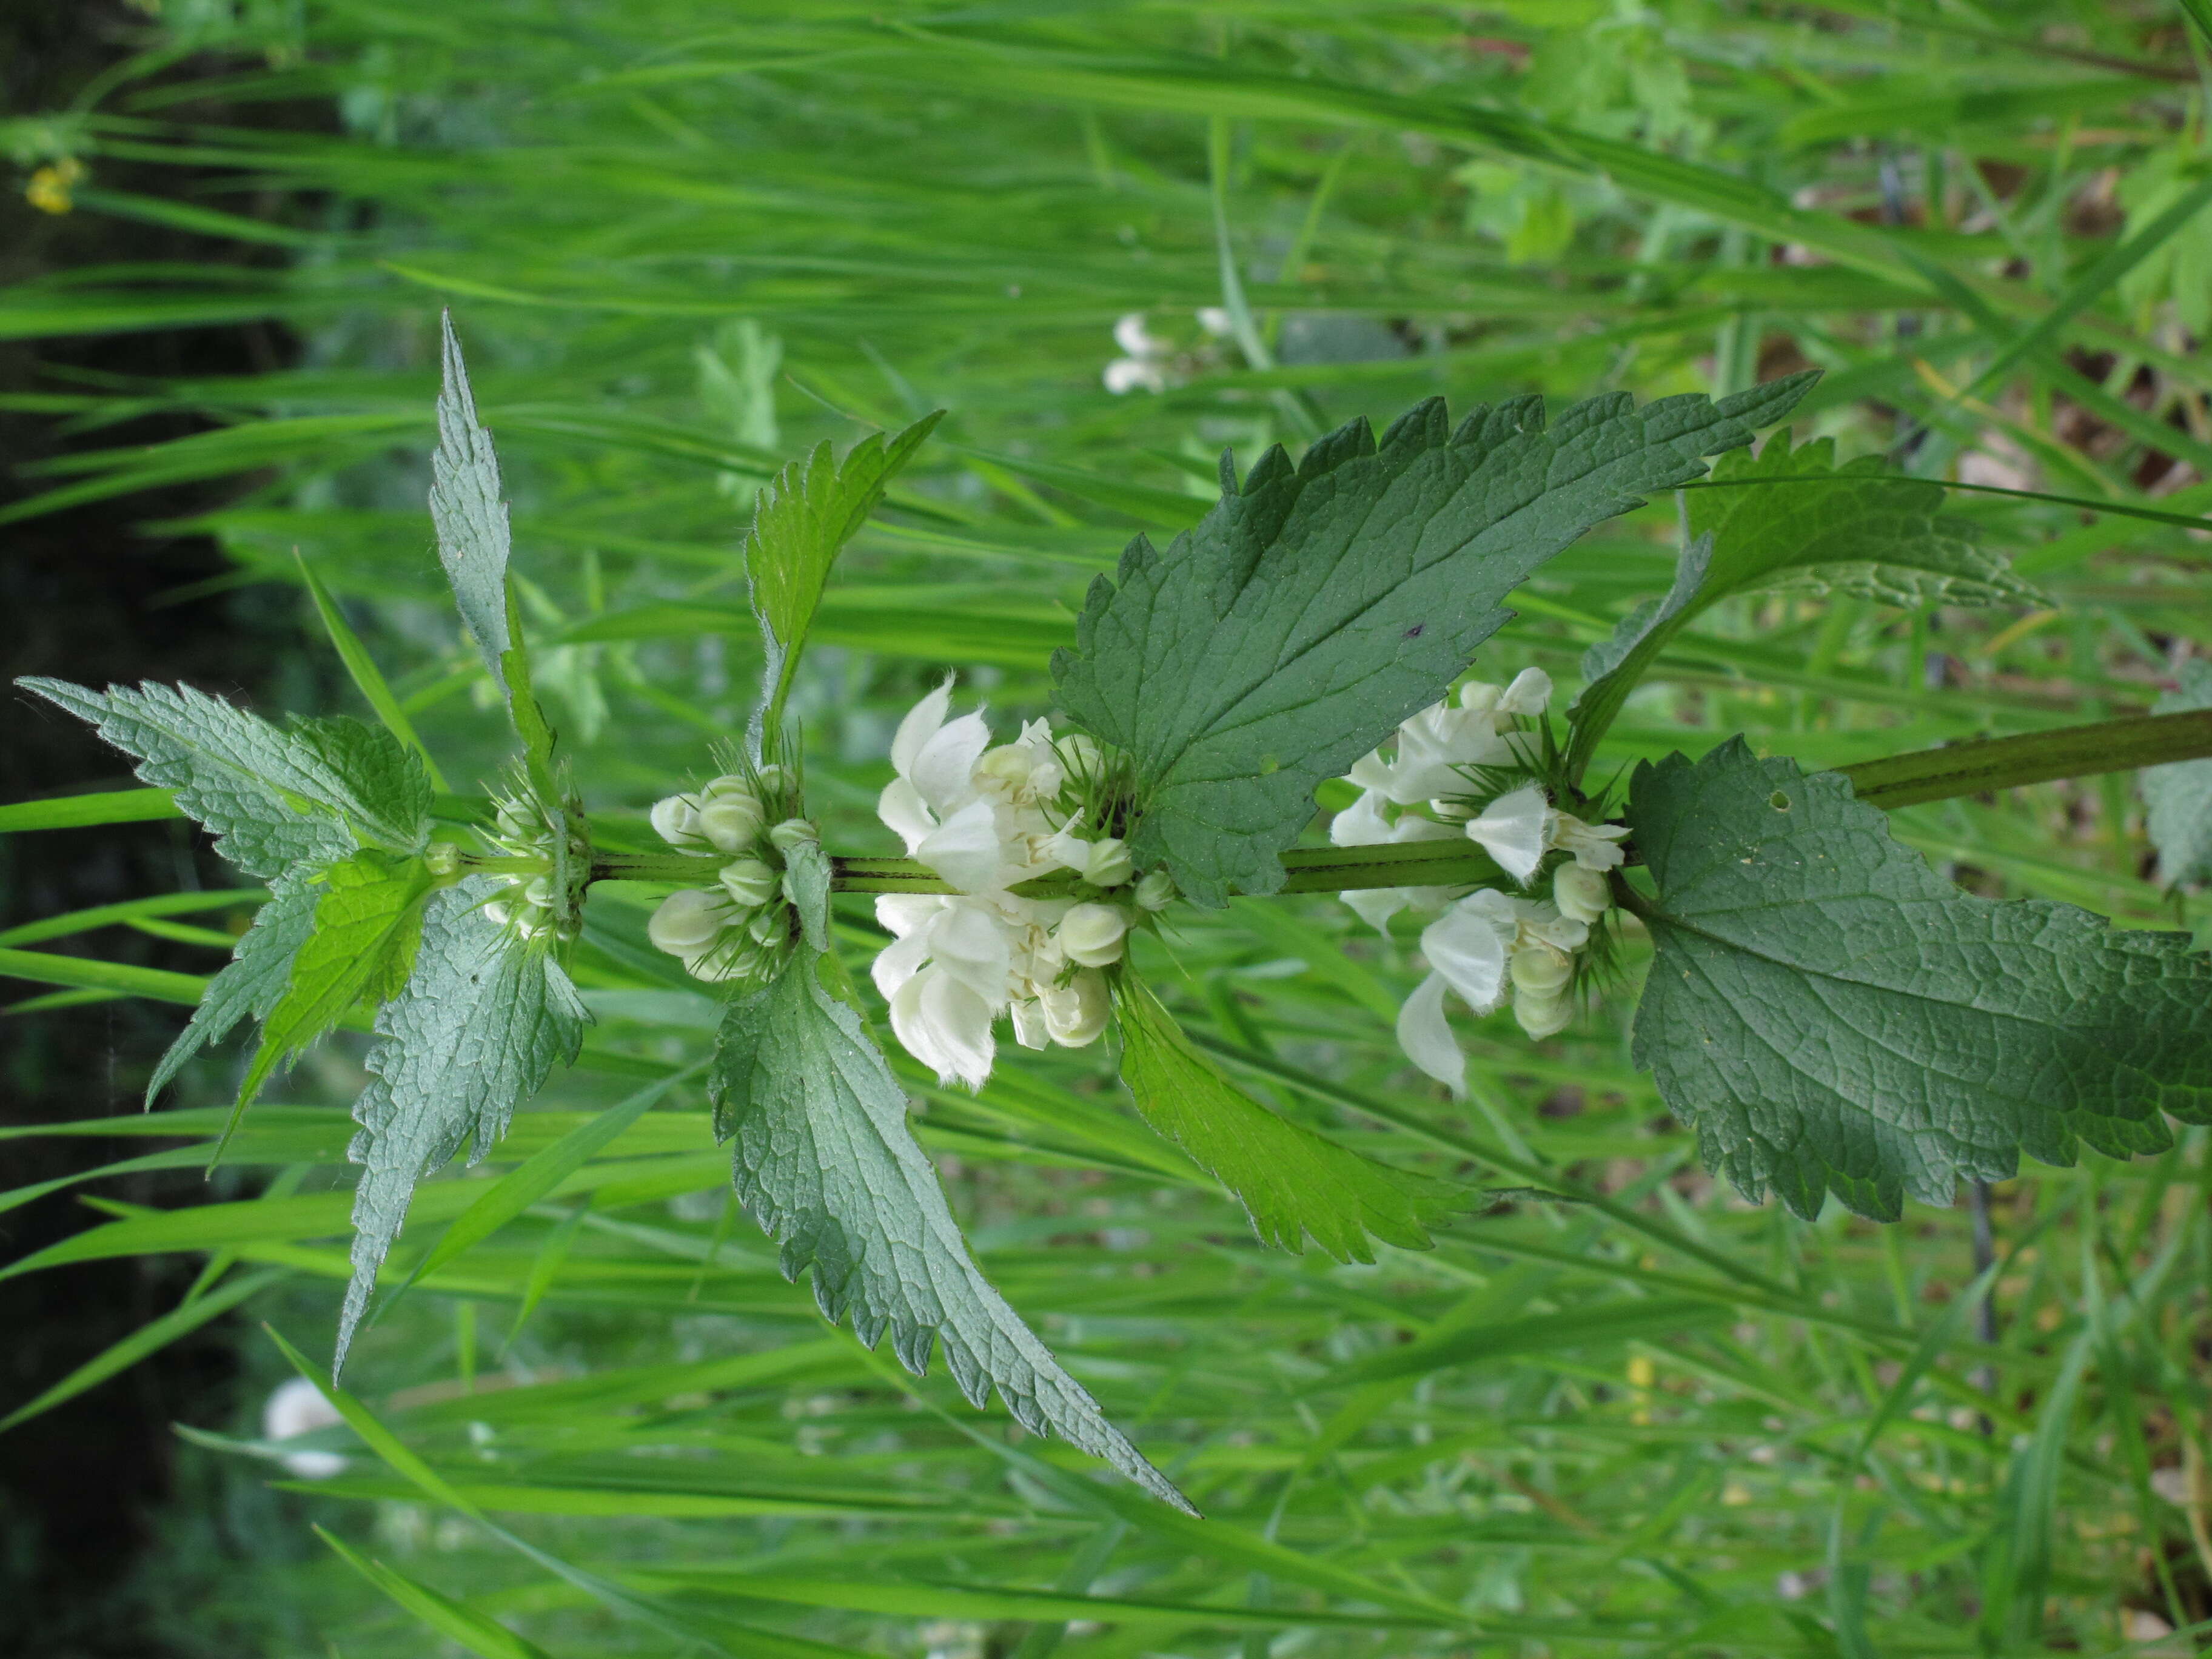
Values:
[(2179, 796), (826, 1164), (1290, 1181), (260, 968), (275, 798), (1318, 605), (465, 505), (1793, 518), (801, 521), (1830, 1014), (482, 1020)]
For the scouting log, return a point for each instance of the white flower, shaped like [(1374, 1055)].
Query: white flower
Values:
[(1093, 934), (1076, 1013), (1134, 338), (1481, 950), (1437, 746), (1514, 830), (1146, 364), (1583, 895), (1594, 846), (296, 1406), (944, 1024), (1216, 321), (1363, 825)]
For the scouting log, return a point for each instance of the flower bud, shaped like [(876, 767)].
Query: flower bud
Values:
[(726, 785), (792, 832), (1106, 863), (514, 821), (1543, 1016), (731, 824), (1155, 891), (774, 781), (739, 959), (749, 882), (539, 892), (1583, 895), (1076, 1012), (1540, 970), (687, 921), (497, 914), (442, 858), (1091, 934), (675, 820), (1005, 769), (1079, 755), (769, 926)]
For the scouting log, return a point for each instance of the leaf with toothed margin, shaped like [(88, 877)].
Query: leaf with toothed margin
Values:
[(1831, 1015), (275, 798), (483, 1020), (252, 983), (1319, 605), (465, 505), (827, 1165)]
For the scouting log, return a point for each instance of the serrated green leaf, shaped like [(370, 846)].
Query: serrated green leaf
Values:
[(1829, 1014), (1317, 606), (1793, 518), (469, 511), (1291, 1181), (482, 1020), (274, 797), (2179, 796), (367, 919), (827, 1164), (260, 968), (801, 520)]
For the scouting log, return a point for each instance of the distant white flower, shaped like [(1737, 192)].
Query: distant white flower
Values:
[(296, 1406), (1216, 321), (1145, 366)]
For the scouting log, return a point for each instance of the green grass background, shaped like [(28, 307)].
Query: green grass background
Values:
[(684, 241)]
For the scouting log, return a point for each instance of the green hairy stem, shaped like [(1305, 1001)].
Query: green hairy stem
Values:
[(1895, 781)]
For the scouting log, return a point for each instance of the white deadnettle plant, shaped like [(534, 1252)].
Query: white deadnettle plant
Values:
[(1811, 981)]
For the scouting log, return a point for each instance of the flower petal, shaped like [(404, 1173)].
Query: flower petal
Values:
[(944, 772), (965, 849), (1511, 830), (1466, 947), (899, 961), (1361, 823), (901, 806), (919, 727), (1376, 905), (969, 943), (960, 1023), (1425, 1035), (1529, 694)]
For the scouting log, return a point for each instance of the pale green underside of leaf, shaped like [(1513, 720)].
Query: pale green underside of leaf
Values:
[(275, 798), (1316, 607), (2179, 796), (252, 983), (1792, 518), (1829, 1014), (826, 1164), (481, 1022), (473, 539), (1290, 1181)]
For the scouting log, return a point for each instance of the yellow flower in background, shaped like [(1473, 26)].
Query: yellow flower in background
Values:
[(49, 189)]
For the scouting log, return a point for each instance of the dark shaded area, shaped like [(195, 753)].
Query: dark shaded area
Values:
[(83, 593)]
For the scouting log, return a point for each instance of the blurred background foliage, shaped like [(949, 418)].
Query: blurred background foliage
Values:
[(684, 242)]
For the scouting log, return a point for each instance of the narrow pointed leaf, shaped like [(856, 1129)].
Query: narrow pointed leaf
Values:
[(252, 985), (1320, 605), (1830, 1015), (469, 511), (828, 1165), (1291, 1181), (483, 1018), (274, 796)]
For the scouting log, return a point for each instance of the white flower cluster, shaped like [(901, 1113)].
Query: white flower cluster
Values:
[(1149, 362), (985, 818), (740, 928), (1488, 946), (533, 907)]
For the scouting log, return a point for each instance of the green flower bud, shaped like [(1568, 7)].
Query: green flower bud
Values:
[(749, 882), (1155, 891), (731, 823), (792, 832)]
